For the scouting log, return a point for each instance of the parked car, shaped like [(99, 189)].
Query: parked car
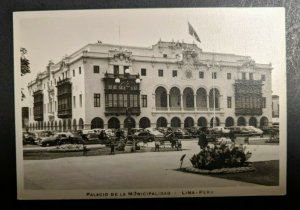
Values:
[(255, 130), (84, 131), (180, 133), (194, 131), (39, 135), (220, 129), (90, 137), (240, 130), (144, 136), (154, 132), (28, 138), (55, 139)]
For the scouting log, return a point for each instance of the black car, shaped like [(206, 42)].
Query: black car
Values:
[(143, 136), (28, 138)]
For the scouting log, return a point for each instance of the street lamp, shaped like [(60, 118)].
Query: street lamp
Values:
[(127, 82)]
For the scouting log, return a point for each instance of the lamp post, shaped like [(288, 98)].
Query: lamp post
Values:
[(127, 83)]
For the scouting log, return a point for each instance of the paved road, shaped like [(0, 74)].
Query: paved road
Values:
[(129, 171)]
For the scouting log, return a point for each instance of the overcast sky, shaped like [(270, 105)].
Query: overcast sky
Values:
[(258, 33)]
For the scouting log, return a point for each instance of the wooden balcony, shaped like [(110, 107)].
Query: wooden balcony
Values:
[(122, 111)]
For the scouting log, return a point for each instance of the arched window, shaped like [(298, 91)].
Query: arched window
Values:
[(74, 125), (160, 97), (129, 122), (253, 121), (175, 98), (64, 125), (59, 126), (188, 98), (80, 123), (229, 122), (161, 122), (144, 122), (97, 122), (188, 122), (201, 99), (202, 122), (113, 123), (214, 122), (175, 122), (55, 126), (241, 121), (214, 101), (264, 122)]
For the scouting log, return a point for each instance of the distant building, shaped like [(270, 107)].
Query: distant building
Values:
[(275, 109), (180, 86)]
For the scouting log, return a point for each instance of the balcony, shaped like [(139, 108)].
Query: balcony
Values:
[(248, 111), (179, 110), (121, 111), (64, 113), (64, 81), (38, 116)]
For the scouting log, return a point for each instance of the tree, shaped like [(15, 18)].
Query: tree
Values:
[(25, 64)]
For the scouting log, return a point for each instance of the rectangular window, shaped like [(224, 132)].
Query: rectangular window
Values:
[(243, 76), (55, 106), (116, 70), (74, 101), (228, 75), (96, 69), (160, 72), (250, 76), (174, 73), (121, 102), (144, 100), (143, 72), (165, 55), (201, 74), (73, 72), (228, 102), (263, 77), (80, 100), (214, 75), (79, 69), (96, 99), (264, 102)]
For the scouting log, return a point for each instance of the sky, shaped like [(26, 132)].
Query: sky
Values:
[(258, 33)]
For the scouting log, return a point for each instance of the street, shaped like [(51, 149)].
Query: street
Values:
[(147, 170)]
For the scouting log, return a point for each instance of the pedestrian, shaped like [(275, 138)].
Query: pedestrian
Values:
[(179, 145), (231, 136), (112, 146), (202, 140), (157, 144), (85, 150)]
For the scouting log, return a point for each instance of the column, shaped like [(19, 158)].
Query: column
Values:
[(195, 102), (168, 102), (207, 102), (181, 102)]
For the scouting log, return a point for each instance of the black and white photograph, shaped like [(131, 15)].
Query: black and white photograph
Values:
[(150, 103)]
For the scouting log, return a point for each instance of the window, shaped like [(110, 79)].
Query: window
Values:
[(243, 76), (125, 67), (228, 102), (214, 75), (201, 74), (79, 69), (143, 72), (96, 99), (74, 101), (73, 72), (80, 100), (263, 77), (144, 100), (228, 75), (160, 72), (55, 81), (55, 105), (165, 55), (96, 69), (116, 70), (264, 102), (174, 73), (250, 76)]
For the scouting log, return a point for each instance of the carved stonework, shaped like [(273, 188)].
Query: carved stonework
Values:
[(120, 55)]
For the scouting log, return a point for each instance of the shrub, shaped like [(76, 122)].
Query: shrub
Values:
[(220, 155)]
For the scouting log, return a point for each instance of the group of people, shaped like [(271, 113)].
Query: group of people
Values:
[(172, 138)]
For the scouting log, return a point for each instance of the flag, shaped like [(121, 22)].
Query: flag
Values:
[(193, 33)]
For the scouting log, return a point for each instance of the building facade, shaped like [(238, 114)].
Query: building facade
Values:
[(179, 85)]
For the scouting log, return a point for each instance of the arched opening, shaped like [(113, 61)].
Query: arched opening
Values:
[(229, 122), (201, 99), (241, 121), (97, 122), (144, 122), (30, 126), (214, 122), (214, 101), (55, 126), (188, 122), (59, 126), (48, 127), (175, 122), (129, 122), (161, 97), (51, 125), (188, 98), (69, 125), (202, 122), (113, 123), (74, 125), (175, 98), (253, 121), (264, 122), (64, 125), (41, 126), (80, 123), (161, 122)]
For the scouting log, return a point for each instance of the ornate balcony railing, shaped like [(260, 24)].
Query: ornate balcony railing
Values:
[(64, 113), (122, 111)]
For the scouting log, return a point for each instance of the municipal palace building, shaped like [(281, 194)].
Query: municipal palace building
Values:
[(171, 84)]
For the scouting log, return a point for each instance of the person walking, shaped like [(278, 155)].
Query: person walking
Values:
[(157, 144), (112, 146), (202, 140)]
